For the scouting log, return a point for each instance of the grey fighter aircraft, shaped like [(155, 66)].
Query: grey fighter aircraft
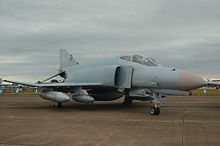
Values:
[(132, 77)]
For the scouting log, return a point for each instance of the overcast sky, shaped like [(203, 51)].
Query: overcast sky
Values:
[(177, 33)]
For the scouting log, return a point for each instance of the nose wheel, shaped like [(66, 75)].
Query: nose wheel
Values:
[(154, 110)]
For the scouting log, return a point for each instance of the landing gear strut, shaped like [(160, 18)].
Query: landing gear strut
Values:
[(155, 104), (58, 105), (127, 100)]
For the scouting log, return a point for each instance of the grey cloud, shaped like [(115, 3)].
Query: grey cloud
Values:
[(183, 34)]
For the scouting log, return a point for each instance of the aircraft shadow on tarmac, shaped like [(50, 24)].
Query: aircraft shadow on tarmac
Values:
[(103, 106), (88, 107), (113, 106)]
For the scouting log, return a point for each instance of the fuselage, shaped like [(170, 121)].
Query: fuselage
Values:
[(143, 76)]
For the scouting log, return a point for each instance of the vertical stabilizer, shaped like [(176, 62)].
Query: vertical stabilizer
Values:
[(66, 60)]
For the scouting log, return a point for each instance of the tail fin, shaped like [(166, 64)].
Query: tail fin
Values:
[(66, 60)]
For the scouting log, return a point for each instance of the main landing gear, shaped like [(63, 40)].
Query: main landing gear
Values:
[(155, 104), (57, 105), (127, 100)]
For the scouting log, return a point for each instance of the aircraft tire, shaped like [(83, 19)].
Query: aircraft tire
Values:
[(127, 100), (154, 110), (57, 105)]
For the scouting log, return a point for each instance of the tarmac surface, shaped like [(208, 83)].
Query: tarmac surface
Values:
[(186, 120)]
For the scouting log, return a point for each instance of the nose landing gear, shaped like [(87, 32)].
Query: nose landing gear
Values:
[(155, 104)]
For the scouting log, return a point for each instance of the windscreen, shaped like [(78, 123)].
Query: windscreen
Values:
[(140, 59)]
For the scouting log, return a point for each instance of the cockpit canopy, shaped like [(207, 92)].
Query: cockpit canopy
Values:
[(140, 59)]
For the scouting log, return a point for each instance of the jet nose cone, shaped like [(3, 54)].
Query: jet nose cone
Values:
[(188, 81)]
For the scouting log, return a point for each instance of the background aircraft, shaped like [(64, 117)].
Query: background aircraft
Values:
[(132, 77), (218, 86)]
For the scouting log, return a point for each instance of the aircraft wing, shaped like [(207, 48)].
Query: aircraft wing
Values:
[(51, 85)]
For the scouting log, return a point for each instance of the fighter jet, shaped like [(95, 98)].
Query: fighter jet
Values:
[(132, 77)]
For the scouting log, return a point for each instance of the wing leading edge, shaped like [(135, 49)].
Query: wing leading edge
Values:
[(67, 84)]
